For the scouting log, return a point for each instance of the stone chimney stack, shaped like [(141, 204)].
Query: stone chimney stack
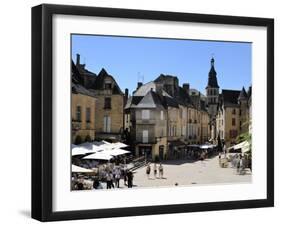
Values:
[(139, 84), (185, 87), (77, 59), (126, 96), (126, 93)]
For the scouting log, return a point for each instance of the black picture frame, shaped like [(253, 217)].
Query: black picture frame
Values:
[(42, 111)]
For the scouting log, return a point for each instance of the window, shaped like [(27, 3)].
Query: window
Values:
[(108, 85), (233, 121), (107, 103), (78, 113), (145, 114), (240, 112), (127, 118), (162, 115), (145, 136), (88, 114), (233, 133), (106, 124), (233, 111), (184, 130)]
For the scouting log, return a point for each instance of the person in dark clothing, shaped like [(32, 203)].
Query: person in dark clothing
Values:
[(130, 179), (80, 186), (96, 183)]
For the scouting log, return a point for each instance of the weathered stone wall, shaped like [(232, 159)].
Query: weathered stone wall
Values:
[(85, 128), (115, 113)]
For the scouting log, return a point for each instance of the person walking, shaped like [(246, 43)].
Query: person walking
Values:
[(148, 169), (130, 179), (108, 180), (111, 179), (202, 157), (117, 176), (155, 170), (161, 171), (238, 164)]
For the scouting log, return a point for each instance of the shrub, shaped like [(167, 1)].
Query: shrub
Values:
[(88, 138), (78, 140), (156, 158)]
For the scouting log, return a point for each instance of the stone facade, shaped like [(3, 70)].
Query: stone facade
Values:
[(83, 117), (233, 115), (175, 120), (83, 107), (146, 119), (109, 115)]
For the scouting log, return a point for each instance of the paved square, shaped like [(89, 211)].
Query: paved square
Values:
[(184, 172)]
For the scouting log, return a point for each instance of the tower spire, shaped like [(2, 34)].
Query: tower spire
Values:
[(212, 62), (212, 79)]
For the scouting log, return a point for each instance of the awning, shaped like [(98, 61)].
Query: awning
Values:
[(244, 146), (116, 152), (78, 169), (99, 156), (207, 146), (80, 151), (85, 148)]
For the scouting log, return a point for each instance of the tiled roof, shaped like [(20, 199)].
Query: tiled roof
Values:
[(230, 96), (150, 100), (77, 83), (243, 95), (77, 88), (99, 82)]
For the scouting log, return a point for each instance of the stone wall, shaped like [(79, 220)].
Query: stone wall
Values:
[(83, 128), (115, 113)]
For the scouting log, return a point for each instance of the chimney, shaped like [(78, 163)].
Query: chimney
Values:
[(185, 87), (126, 93), (77, 59), (139, 84), (159, 88)]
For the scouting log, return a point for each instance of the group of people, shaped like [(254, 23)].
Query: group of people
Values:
[(113, 178), (156, 169), (239, 162)]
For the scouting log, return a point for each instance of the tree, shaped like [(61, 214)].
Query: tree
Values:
[(78, 140)]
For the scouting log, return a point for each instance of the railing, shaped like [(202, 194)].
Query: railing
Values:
[(138, 162), (145, 121)]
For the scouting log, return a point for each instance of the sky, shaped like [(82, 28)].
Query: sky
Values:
[(130, 60)]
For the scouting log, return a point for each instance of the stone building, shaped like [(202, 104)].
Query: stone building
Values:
[(146, 119), (200, 117), (83, 105), (109, 121), (233, 115), (174, 120)]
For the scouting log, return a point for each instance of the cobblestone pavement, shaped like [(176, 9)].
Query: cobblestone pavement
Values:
[(182, 172)]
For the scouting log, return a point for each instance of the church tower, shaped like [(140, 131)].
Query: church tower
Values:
[(212, 93)]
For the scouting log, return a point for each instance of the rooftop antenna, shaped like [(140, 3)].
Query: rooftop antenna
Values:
[(140, 77)]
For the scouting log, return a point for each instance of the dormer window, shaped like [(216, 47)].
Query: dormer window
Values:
[(108, 85)]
